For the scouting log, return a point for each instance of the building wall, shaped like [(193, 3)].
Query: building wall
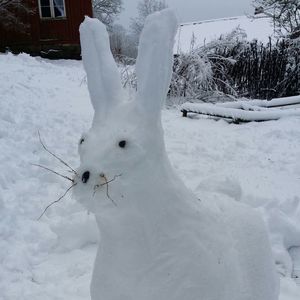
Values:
[(48, 37), (65, 31)]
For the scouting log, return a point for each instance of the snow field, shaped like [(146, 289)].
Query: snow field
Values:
[(41, 260), (256, 163)]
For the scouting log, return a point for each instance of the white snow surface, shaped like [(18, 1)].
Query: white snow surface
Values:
[(203, 32), (255, 163)]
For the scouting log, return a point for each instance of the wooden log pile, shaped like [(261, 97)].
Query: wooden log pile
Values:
[(246, 111)]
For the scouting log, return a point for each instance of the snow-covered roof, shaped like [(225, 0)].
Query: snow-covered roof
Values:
[(259, 28)]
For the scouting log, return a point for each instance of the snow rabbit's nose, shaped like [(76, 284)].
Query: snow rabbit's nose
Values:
[(85, 176)]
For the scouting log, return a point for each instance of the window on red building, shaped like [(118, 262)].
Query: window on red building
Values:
[(52, 8)]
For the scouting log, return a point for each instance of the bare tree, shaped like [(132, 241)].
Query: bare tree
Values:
[(145, 8), (12, 13), (284, 13), (117, 37), (107, 10), (121, 43)]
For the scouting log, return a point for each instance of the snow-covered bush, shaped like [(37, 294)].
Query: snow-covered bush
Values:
[(192, 75), (231, 67), (243, 69), (199, 74), (202, 73)]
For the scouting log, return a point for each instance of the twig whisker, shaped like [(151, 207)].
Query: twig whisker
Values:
[(54, 155), (109, 181), (52, 171), (106, 184), (56, 201)]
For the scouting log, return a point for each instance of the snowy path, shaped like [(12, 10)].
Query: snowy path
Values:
[(52, 258)]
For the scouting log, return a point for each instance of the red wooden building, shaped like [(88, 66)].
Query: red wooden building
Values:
[(50, 29)]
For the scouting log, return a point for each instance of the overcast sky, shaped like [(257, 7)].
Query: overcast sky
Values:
[(193, 10)]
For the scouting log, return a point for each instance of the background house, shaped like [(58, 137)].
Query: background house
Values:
[(49, 28)]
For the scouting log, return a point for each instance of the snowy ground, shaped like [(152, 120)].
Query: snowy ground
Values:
[(257, 163)]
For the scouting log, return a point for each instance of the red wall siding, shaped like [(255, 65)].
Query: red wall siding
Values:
[(77, 14), (49, 31)]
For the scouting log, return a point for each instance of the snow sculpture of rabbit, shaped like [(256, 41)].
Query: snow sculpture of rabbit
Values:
[(158, 241)]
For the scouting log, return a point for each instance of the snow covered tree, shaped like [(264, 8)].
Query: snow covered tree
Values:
[(284, 13), (11, 13), (107, 10), (121, 44), (145, 8), (116, 36)]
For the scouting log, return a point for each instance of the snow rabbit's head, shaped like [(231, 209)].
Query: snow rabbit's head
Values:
[(125, 143)]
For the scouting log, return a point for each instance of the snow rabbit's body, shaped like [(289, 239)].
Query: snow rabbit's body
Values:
[(158, 241)]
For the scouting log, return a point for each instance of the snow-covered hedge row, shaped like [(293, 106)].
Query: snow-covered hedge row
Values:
[(232, 66), (265, 71), (240, 68)]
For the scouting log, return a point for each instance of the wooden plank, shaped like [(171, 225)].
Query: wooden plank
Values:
[(274, 103), (237, 115)]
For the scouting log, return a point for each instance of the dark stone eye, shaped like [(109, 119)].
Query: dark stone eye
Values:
[(85, 176), (122, 144), (81, 141)]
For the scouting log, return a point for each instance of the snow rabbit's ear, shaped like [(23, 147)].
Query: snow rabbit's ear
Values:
[(155, 61), (103, 77)]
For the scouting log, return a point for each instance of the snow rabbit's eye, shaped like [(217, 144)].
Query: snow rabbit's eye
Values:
[(122, 144), (81, 141), (85, 177)]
